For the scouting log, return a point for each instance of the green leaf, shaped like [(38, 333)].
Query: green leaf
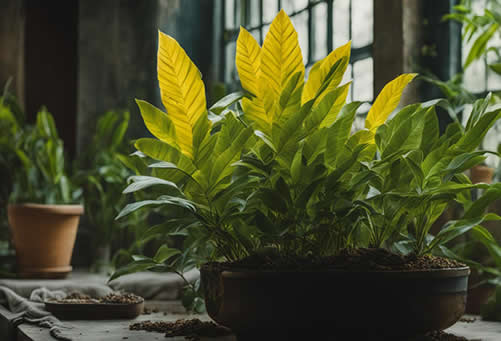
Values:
[(480, 45), (163, 200), (158, 123), (496, 67), (462, 163), (141, 182), (163, 151), (474, 136), (454, 229), (221, 105), (479, 206), (339, 132), (136, 266), (231, 140), (164, 253), (326, 108), (415, 169)]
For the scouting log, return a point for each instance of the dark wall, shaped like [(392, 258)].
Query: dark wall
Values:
[(50, 60)]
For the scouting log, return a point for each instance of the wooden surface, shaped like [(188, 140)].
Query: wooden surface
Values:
[(111, 330), (108, 330)]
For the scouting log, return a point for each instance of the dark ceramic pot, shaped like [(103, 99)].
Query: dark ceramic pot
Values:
[(286, 305)]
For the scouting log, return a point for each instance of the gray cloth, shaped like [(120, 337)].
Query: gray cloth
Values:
[(86, 283), (28, 311), (154, 285)]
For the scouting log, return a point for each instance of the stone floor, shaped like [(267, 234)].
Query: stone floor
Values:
[(119, 329)]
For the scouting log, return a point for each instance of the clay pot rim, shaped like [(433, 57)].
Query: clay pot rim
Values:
[(76, 209), (429, 273)]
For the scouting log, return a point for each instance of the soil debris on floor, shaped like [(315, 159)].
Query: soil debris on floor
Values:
[(192, 329), (357, 259), (112, 298), (440, 336)]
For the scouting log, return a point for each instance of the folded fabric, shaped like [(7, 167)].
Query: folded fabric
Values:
[(28, 311), (154, 285), (86, 283)]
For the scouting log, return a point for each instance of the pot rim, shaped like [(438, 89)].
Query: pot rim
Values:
[(76, 209), (429, 273)]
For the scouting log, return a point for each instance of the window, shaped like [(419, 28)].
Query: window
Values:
[(478, 77), (321, 25)]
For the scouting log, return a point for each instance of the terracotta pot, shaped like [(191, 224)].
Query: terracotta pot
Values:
[(481, 173), (44, 236), (308, 305)]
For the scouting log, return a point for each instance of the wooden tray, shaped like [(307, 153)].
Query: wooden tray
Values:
[(94, 311)]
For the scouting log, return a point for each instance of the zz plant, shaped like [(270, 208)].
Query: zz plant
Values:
[(276, 171), (279, 171)]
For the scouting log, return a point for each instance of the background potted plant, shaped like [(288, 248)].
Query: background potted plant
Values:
[(43, 224), (101, 175), (286, 199), (10, 115)]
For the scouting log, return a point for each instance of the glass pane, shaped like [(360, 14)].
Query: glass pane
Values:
[(362, 22), (363, 75), (254, 13), (255, 34), (319, 33), (229, 14), (346, 78), (341, 22), (269, 10), (474, 77), (291, 6), (230, 72), (493, 79), (266, 28), (300, 23), (238, 14)]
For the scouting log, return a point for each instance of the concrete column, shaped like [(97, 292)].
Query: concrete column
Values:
[(12, 46), (117, 61), (397, 43)]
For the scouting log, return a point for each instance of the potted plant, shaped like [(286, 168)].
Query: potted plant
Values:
[(295, 215), (101, 175), (42, 220), (10, 114)]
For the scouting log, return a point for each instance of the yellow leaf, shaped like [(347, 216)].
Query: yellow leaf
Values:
[(280, 56), (336, 106), (248, 61), (255, 112), (320, 70), (387, 101), (181, 89)]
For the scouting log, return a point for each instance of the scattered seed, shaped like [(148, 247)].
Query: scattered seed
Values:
[(191, 329)]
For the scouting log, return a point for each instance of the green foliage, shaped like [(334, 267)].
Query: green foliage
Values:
[(37, 154), (11, 118), (101, 174), (420, 173), (480, 30)]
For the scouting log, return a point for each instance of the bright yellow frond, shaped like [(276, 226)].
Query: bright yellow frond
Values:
[(280, 55), (248, 61), (182, 90), (387, 101), (320, 70), (255, 112)]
